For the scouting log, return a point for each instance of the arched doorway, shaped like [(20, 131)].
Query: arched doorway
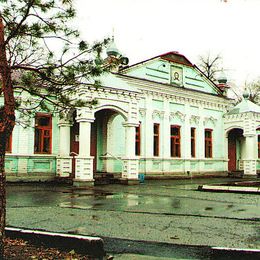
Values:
[(107, 142), (235, 140)]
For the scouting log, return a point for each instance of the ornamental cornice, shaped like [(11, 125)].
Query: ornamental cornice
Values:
[(178, 115), (157, 113), (210, 119), (194, 119), (65, 118), (185, 99), (85, 114)]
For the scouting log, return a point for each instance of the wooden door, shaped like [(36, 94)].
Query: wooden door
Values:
[(232, 155)]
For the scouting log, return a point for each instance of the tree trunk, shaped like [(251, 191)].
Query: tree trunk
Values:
[(2, 201), (7, 121)]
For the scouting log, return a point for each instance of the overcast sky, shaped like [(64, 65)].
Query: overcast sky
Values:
[(147, 28)]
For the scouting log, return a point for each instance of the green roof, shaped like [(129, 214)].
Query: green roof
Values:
[(244, 106)]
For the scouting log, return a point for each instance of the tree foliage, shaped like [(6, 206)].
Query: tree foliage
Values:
[(40, 54), (44, 52)]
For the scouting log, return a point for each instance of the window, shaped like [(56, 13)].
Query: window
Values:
[(208, 143), (138, 140), (156, 139), (193, 142), (43, 133), (175, 141), (8, 145)]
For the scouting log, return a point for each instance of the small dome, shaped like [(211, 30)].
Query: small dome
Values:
[(246, 94), (222, 78), (112, 49)]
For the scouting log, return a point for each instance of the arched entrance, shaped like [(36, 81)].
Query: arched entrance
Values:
[(235, 142), (107, 142)]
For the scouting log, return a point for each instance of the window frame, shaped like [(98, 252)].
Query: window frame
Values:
[(42, 134), (208, 143), (156, 139), (175, 141), (138, 140), (193, 142)]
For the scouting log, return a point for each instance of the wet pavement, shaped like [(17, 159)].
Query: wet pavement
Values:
[(167, 212)]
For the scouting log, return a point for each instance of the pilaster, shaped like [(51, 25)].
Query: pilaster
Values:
[(130, 161), (84, 162), (64, 161)]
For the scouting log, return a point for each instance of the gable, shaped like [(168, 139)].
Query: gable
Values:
[(174, 69)]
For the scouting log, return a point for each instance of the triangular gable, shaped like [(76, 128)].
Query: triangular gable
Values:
[(172, 68)]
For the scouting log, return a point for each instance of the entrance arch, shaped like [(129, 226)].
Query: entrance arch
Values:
[(235, 142), (108, 142)]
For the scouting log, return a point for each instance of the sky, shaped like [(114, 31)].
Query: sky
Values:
[(147, 28)]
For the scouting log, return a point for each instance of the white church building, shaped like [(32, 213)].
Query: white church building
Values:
[(160, 117)]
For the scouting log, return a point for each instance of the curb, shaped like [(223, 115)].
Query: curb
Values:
[(177, 251), (229, 188), (91, 246)]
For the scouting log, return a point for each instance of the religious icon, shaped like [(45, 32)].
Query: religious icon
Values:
[(176, 75)]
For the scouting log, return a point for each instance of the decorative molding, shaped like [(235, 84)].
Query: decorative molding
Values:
[(142, 112), (157, 113), (178, 115), (194, 119), (210, 119), (85, 114)]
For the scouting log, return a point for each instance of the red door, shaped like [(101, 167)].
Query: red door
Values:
[(232, 156)]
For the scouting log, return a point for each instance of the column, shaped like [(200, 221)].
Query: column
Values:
[(226, 159), (64, 160), (250, 154), (166, 167), (201, 141), (130, 161), (186, 141), (148, 136), (84, 162)]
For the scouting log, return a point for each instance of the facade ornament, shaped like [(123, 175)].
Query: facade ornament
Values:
[(85, 114), (65, 117), (178, 115), (210, 119), (194, 119), (142, 112), (157, 113)]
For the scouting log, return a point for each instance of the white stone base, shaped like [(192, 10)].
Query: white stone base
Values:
[(249, 167), (64, 166), (84, 169), (130, 168)]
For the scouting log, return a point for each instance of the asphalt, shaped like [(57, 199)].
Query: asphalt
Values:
[(154, 220)]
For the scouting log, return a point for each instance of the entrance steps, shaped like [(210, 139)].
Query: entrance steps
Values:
[(236, 174), (106, 178)]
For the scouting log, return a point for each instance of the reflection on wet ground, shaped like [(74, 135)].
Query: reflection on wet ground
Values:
[(169, 197), (164, 211)]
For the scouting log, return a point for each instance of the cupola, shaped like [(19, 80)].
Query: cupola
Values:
[(112, 50), (222, 81)]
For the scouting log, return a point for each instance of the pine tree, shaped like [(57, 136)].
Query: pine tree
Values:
[(29, 62)]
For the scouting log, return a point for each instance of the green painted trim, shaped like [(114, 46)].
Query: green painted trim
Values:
[(200, 80), (195, 85), (162, 71), (150, 75)]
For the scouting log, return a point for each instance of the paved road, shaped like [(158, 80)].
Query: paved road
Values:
[(169, 212)]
